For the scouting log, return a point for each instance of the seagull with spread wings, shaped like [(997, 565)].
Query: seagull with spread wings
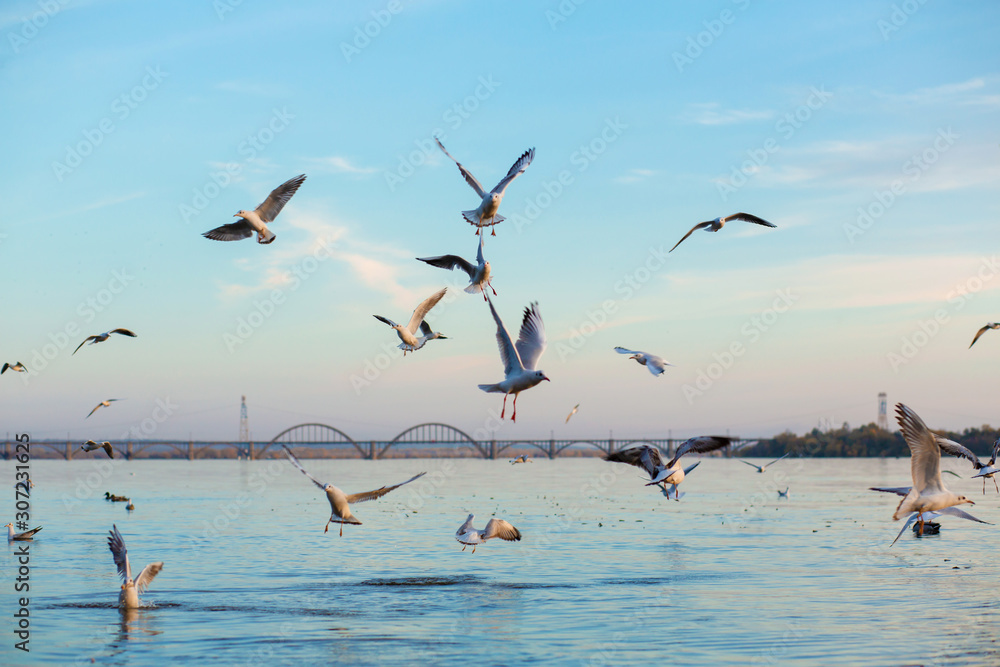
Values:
[(90, 446), (523, 458), (718, 223), (520, 359), (100, 338), (576, 408), (923, 517), (257, 219), (102, 404), (648, 458), (407, 333), (766, 465), (491, 200), (128, 598), (986, 470), (19, 367), (339, 501), (989, 325), (989, 470), (470, 536), (655, 364), (479, 273)]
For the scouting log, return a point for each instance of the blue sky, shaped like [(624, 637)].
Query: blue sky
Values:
[(867, 132)]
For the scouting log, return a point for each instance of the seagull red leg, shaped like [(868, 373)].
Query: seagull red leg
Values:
[(513, 417), (504, 405)]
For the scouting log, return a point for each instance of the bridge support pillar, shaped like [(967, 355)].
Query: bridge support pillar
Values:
[(6, 450), (190, 450), (611, 445), (372, 451), (128, 451), (69, 452), (552, 448), (251, 451), (493, 450)]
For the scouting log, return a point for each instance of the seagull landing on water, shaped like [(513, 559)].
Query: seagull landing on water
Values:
[(479, 274), (519, 360), (766, 465), (718, 223), (26, 536), (257, 219), (491, 200), (19, 367), (103, 404), (990, 325), (523, 458), (100, 338), (655, 364), (128, 598), (923, 517), (339, 501), (90, 446), (783, 494), (470, 536), (648, 458), (407, 333)]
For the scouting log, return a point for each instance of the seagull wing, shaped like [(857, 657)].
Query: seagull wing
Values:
[(752, 465), (450, 262), (96, 408), (746, 217), (656, 365), (645, 457), (147, 575), (295, 462), (466, 174), (700, 225), (271, 207), (925, 454), (700, 445), (479, 254), (234, 231), (502, 529), (124, 332), (572, 412), (909, 522), (466, 527), (386, 320), (691, 467), (88, 338), (378, 493), (954, 511), (898, 490), (425, 329), (622, 350), (516, 170), (508, 353), (120, 553), (421, 311), (777, 459), (981, 332), (952, 448), (531, 341)]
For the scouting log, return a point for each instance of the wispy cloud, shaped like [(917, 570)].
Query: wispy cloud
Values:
[(338, 165), (711, 113), (634, 176), (980, 91)]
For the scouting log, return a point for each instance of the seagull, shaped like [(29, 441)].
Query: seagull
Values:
[(766, 465), (339, 501), (19, 367), (130, 506), (100, 338), (572, 412), (407, 334), (989, 325), (986, 470), (128, 598), (103, 404), (648, 458), (256, 220), (90, 446), (468, 535), (928, 492), (990, 469), (783, 494), (655, 364), (26, 536), (523, 458), (923, 517), (479, 273), (520, 359), (491, 200), (717, 224)]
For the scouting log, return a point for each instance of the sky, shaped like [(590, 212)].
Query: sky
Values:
[(867, 132)]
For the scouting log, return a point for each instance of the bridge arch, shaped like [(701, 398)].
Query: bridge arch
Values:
[(541, 445), (314, 434), (437, 434)]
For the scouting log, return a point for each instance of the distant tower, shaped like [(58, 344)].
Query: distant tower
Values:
[(883, 419), (244, 426)]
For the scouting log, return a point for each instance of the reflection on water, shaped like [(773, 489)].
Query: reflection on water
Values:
[(738, 575)]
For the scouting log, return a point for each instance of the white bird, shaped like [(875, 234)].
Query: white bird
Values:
[(766, 465), (989, 470), (26, 536), (102, 404), (648, 458), (989, 325), (576, 408), (100, 338), (256, 220), (520, 360), (491, 200), (523, 458), (90, 446), (655, 364), (128, 598), (717, 224), (986, 470), (19, 367), (470, 536), (924, 517), (407, 334), (479, 274), (783, 494), (339, 501)]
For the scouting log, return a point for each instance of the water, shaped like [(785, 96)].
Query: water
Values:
[(608, 572)]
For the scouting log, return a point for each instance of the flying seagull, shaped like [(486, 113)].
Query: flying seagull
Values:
[(717, 224), (339, 501), (989, 470), (128, 598), (655, 364), (990, 325), (648, 458), (26, 536), (491, 200), (100, 338), (468, 535), (90, 446), (102, 404), (576, 408), (523, 458), (407, 334), (766, 465), (986, 470), (923, 517), (520, 359), (783, 494), (19, 367), (479, 273), (256, 220)]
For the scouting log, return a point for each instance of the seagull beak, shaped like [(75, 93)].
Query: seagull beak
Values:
[(546, 378), (236, 215)]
